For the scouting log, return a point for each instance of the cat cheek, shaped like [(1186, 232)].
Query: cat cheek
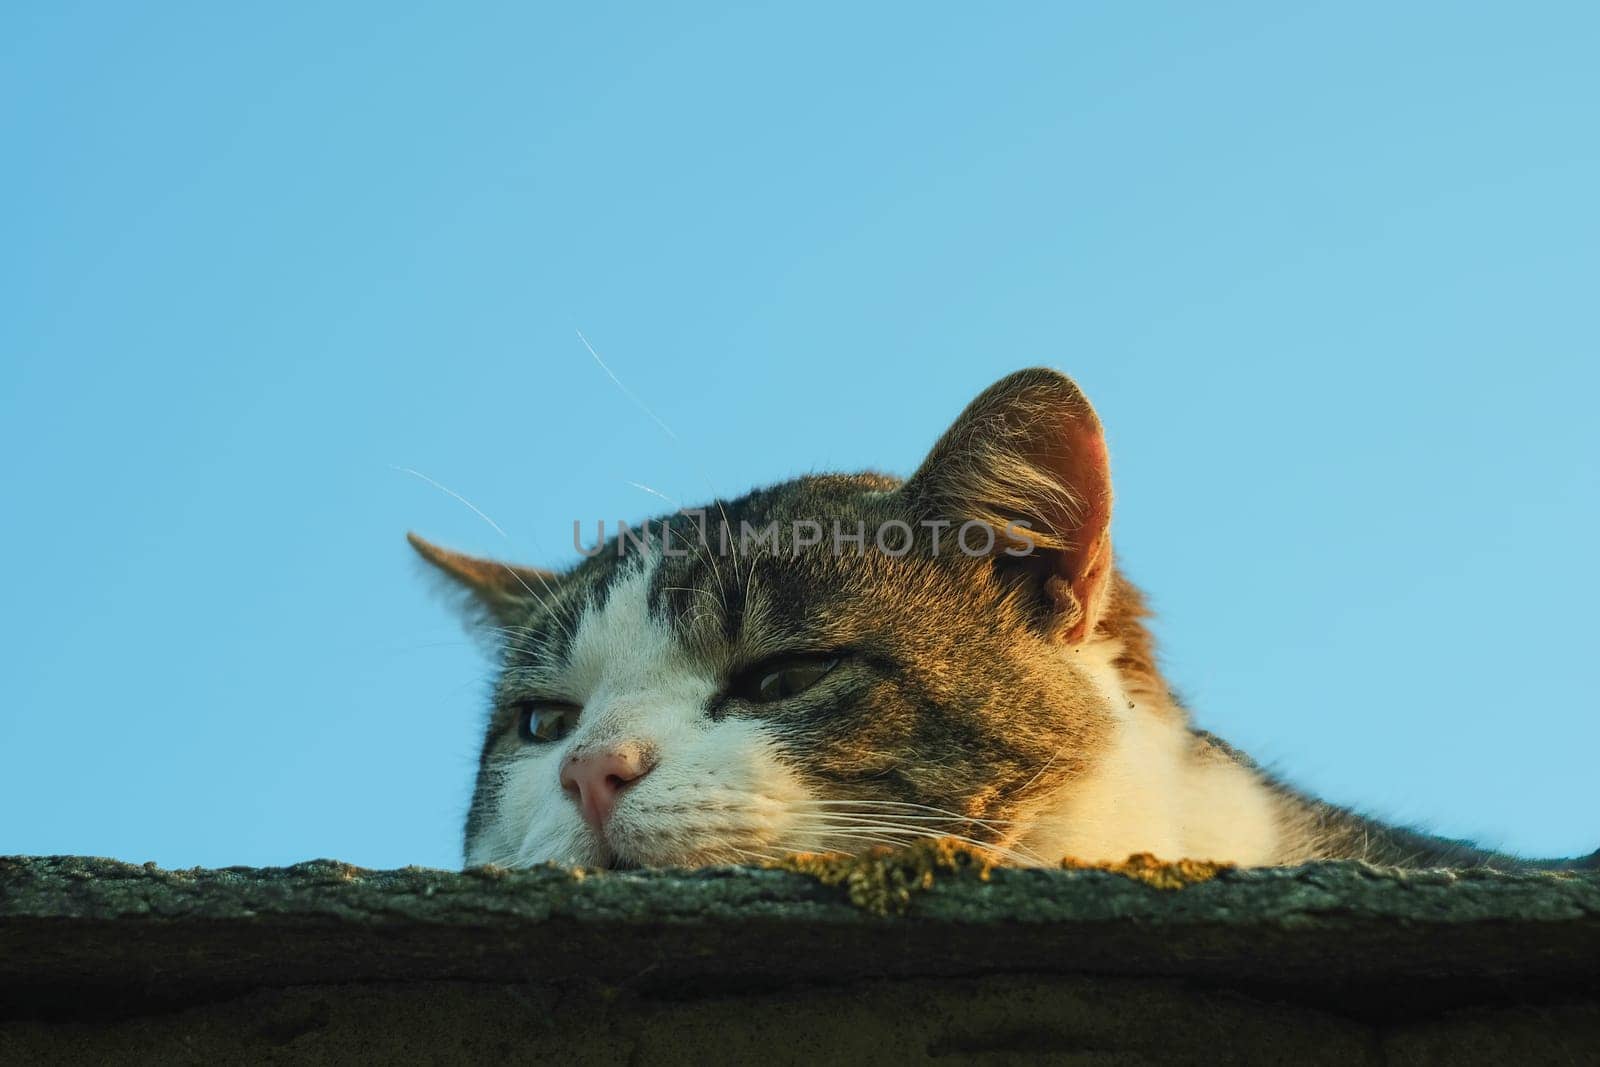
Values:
[(517, 821)]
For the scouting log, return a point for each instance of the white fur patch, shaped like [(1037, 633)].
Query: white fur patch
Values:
[(1150, 793)]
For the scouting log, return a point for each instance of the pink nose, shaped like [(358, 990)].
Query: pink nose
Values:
[(596, 778)]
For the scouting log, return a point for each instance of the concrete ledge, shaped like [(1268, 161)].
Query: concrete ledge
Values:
[(1037, 961)]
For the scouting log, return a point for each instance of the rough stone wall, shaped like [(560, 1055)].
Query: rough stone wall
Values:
[(324, 962)]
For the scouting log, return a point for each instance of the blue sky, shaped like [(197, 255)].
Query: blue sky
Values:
[(1328, 273)]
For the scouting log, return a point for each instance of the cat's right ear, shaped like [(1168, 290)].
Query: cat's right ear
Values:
[(1030, 451), (499, 592)]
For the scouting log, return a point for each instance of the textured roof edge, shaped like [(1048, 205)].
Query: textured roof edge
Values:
[(78, 923), (94, 888)]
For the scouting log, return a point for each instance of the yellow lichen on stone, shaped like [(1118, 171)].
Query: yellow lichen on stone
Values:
[(1159, 874), (883, 880)]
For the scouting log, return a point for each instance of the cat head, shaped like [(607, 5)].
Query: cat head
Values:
[(826, 664)]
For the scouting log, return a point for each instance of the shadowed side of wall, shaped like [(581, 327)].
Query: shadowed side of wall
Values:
[(1326, 963)]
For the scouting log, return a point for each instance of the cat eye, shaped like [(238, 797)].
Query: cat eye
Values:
[(775, 680), (543, 720)]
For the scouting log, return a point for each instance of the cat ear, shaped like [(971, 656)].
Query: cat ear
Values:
[(1030, 450), (504, 593)]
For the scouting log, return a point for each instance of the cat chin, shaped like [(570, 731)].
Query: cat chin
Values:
[(723, 827), (712, 834)]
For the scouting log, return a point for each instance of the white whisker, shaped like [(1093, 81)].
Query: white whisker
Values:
[(625, 390), (655, 492), (909, 818), (445, 489), (859, 830), (537, 599), (642, 406)]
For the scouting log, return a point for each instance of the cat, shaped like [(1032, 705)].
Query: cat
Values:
[(953, 655)]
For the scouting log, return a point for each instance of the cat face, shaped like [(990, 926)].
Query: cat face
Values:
[(719, 696)]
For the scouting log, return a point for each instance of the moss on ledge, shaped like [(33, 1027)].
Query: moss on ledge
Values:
[(882, 880), (945, 951)]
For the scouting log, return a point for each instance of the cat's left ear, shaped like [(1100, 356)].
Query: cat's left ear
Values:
[(1030, 450), (505, 594)]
